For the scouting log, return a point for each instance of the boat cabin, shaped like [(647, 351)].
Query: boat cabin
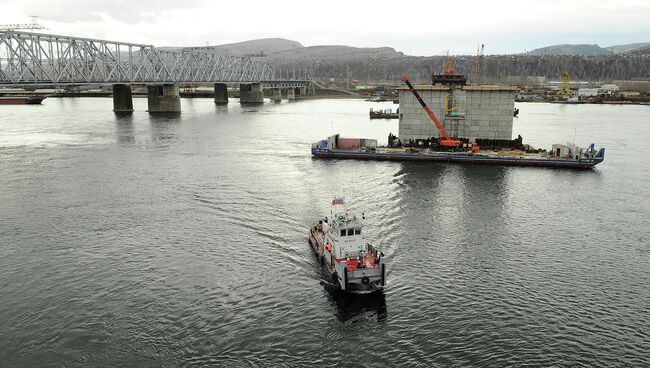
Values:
[(346, 236)]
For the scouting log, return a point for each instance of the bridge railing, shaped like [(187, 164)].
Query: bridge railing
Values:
[(35, 58)]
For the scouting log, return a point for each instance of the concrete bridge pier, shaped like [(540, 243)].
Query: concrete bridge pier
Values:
[(122, 98), (303, 90), (163, 98), (277, 95), (291, 94), (251, 93), (221, 93)]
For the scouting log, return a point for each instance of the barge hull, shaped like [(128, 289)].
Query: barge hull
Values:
[(583, 163)]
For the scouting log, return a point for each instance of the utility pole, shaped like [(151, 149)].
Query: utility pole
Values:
[(479, 61), (347, 70)]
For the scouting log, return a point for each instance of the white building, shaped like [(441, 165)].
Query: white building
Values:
[(587, 92)]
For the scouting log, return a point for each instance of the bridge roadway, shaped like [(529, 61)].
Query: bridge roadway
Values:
[(38, 60)]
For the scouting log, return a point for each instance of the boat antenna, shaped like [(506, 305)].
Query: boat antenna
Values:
[(575, 154)]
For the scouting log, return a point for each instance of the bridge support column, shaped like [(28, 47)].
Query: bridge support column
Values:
[(303, 91), (220, 93), (277, 95), (251, 93), (291, 94), (163, 98), (122, 98)]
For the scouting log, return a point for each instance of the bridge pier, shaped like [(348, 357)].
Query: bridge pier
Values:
[(122, 98), (277, 95), (291, 94), (220, 93), (163, 98), (251, 93)]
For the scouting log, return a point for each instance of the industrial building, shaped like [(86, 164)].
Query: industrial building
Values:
[(471, 112)]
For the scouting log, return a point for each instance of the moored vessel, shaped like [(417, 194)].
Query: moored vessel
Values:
[(21, 100), (384, 114), (564, 156), (352, 264)]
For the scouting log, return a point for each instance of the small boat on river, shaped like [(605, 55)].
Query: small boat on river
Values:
[(352, 264), (384, 114)]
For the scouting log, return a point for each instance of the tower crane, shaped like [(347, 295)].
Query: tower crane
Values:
[(565, 87), (33, 26)]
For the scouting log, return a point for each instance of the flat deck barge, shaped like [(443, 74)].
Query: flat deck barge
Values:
[(575, 158)]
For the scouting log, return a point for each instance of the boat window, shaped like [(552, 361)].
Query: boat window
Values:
[(350, 232), (357, 231), (342, 232)]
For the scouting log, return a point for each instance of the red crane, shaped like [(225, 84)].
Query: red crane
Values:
[(446, 140)]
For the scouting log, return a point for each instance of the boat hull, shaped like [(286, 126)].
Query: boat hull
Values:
[(21, 100), (374, 282), (377, 115), (582, 163)]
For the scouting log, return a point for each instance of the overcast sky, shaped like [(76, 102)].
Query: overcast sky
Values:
[(413, 27)]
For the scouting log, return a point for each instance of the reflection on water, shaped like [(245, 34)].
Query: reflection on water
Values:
[(356, 306), (164, 128), (124, 128)]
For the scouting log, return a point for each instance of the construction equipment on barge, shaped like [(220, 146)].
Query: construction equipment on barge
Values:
[(563, 156)]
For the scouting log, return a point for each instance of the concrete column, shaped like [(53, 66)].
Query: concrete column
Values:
[(277, 95), (220, 93), (122, 98), (303, 91), (251, 93), (291, 94), (163, 98)]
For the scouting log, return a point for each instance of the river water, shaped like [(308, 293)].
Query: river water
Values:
[(182, 241)]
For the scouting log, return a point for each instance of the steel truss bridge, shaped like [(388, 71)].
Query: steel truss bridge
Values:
[(45, 60)]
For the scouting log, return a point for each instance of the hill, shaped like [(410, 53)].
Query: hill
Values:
[(568, 49), (386, 65), (622, 49)]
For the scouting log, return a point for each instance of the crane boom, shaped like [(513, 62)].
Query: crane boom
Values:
[(447, 141)]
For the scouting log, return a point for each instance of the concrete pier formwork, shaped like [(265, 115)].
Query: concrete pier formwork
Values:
[(469, 112), (163, 98), (251, 93), (220, 93), (122, 98)]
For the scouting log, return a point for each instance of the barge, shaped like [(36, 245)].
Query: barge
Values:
[(21, 100), (446, 148), (563, 156), (384, 114), (353, 265)]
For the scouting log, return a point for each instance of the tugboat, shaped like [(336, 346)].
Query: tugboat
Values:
[(353, 265)]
